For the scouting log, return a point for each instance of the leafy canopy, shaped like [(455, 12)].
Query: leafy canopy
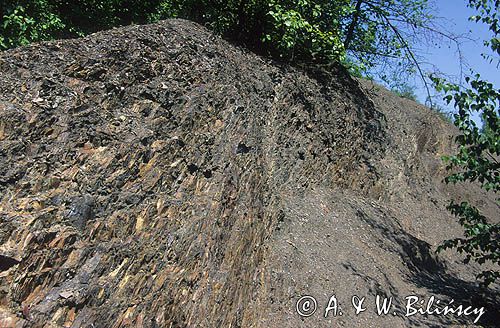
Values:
[(478, 157), (288, 30)]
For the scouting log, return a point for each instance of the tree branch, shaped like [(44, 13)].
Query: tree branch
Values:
[(408, 49), (352, 26)]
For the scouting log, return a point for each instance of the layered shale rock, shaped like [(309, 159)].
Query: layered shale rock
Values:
[(158, 176)]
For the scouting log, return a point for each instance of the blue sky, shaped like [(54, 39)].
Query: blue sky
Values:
[(454, 16)]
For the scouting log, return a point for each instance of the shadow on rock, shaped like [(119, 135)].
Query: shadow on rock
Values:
[(429, 272)]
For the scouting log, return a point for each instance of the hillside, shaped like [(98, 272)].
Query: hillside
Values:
[(158, 176)]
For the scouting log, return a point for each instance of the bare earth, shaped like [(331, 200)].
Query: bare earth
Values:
[(158, 176)]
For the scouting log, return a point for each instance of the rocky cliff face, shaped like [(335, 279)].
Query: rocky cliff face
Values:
[(157, 176)]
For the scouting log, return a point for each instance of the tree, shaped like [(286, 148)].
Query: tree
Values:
[(383, 37), (27, 21), (295, 31), (478, 156)]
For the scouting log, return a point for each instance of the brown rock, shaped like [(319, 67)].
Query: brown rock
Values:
[(157, 176)]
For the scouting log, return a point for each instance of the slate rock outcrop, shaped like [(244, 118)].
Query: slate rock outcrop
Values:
[(158, 176)]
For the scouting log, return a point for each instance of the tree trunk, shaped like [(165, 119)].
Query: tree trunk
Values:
[(352, 26)]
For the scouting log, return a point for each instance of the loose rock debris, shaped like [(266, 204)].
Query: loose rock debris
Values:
[(148, 175)]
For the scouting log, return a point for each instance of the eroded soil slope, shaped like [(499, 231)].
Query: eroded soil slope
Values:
[(157, 176)]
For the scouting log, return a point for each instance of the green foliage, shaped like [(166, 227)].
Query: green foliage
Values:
[(480, 242), (294, 31), (405, 91), (478, 148), (384, 32), (24, 23), (476, 160), (478, 157), (298, 30), (489, 14)]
